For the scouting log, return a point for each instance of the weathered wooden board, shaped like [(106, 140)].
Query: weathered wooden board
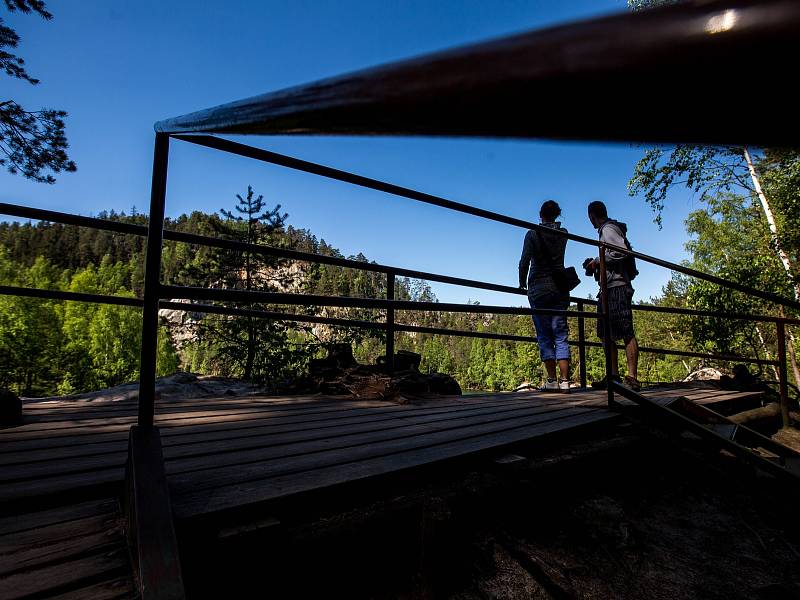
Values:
[(73, 551)]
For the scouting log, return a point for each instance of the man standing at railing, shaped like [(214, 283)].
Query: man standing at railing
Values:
[(620, 270)]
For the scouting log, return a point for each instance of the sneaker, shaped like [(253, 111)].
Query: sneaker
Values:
[(601, 385), (551, 385), (563, 386), (633, 383)]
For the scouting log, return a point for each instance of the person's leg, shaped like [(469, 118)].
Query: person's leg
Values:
[(563, 367), (614, 360), (544, 336), (632, 354), (550, 367), (613, 353), (561, 343)]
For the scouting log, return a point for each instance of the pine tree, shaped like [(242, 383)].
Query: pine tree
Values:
[(259, 349)]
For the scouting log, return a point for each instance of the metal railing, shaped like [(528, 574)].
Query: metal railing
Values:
[(487, 90), (158, 295)]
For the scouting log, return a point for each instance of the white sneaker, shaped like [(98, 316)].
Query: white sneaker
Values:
[(563, 386), (551, 385)]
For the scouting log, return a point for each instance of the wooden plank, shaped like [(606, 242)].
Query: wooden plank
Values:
[(39, 581), (56, 532), (56, 515), (350, 441), (33, 556), (172, 420), (114, 589), (54, 485), (112, 442), (211, 476), (260, 490), (47, 426), (86, 458), (104, 412), (189, 401)]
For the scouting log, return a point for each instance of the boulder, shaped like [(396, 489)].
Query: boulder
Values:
[(403, 361), (340, 374), (10, 408), (340, 356)]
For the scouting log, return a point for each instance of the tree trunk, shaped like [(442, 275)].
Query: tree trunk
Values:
[(793, 357), (773, 228), (770, 411), (766, 353), (251, 350), (792, 354)]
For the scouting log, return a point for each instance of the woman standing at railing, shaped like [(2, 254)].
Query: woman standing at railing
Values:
[(542, 255)]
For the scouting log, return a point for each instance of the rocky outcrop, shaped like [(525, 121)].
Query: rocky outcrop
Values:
[(182, 325)]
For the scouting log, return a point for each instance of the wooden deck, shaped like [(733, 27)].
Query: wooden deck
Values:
[(62, 470), (225, 452)]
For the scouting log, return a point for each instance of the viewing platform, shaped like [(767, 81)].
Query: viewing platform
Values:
[(63, 468), (222, 453)]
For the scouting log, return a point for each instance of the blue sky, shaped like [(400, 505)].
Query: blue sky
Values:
[(117, 67)]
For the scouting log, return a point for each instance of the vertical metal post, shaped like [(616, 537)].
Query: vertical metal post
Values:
[(152, 282), (581, 346), (390, 324), (782, 374), (608, 343)]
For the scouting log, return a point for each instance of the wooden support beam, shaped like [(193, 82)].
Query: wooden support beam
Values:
[(148, 512)]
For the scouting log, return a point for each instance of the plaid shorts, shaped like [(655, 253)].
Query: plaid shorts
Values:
[(619, 305)]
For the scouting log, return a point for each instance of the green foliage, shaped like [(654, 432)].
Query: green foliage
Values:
[(780, 170), (48, 346), (706, 170), (31, 142), (731, 240)]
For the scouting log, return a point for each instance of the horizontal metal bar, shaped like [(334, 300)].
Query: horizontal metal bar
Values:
[(721, 357), (7, 290), (769, 296), (316, 169), (353, 302), (534, 84), (461, 333), (367, 182), (714, 315), (229, 295), (38, 214), (270, 315), (190, 238), (224, 310)]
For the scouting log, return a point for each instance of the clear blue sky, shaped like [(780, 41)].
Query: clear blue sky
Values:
[(117, 67)]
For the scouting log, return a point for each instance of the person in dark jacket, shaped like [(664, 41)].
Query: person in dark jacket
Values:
[(620, 292), (542, 253)]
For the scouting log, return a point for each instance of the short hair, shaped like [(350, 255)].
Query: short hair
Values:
[(598, 209), (550, 210)]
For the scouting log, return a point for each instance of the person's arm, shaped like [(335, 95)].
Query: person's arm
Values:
[(612, 235), (525, 260)]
